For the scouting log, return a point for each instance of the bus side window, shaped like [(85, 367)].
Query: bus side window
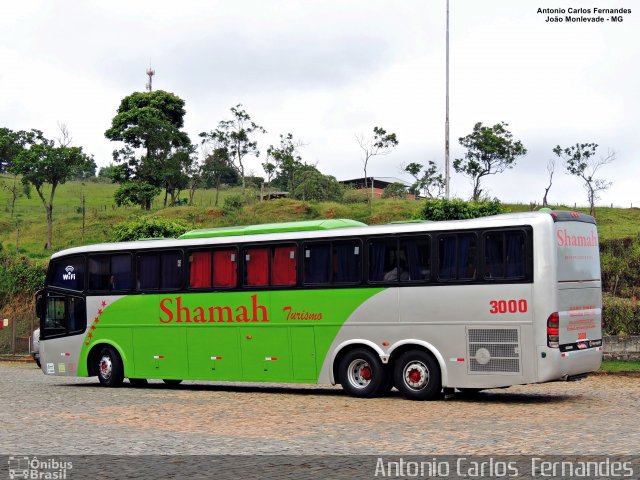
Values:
[(171, 270), (120, 278), (317, 263), (148, 271), (457, 257), (225, 268), (383, 261), (256, 267), (417, 253), (346, 262), (283, 265), (67, 273), (504, 255), (200, 270)]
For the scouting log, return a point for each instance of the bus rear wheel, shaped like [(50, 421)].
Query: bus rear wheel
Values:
[(417, 375), (362, 374), (110, 370)]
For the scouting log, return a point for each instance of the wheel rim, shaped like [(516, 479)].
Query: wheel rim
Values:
[(359, 373), (416, 375), (105, 367)]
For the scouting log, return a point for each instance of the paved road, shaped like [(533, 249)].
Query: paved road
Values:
[(42, 415)]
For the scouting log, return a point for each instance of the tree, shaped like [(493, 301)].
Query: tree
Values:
[(579, 160), (381, 143), (430, 182), (150, 121), (110, 171), (215, 168), (490, 150), (11, 143), (551, 167), (287, 162), (270, 169), (237, 136), (176, 171), (42, 163), (16, 191), (314, 186), (136, 193)]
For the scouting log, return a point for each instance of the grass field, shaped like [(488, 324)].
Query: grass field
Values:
[(612, 366), (27, 227)]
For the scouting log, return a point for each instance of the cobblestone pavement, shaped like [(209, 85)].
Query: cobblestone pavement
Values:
[(42, 415)]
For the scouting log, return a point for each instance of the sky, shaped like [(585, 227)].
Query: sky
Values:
[(329, 70)]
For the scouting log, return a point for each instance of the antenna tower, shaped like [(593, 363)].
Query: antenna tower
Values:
[(150, 73)]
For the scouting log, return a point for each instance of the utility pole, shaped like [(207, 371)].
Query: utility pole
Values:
[(446, 121)]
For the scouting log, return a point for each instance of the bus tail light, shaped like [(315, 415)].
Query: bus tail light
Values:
[(553, 330)]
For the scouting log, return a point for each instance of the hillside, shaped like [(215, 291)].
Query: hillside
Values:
[(28, 226)]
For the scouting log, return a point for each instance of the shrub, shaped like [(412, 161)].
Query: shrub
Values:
[(353, 196), (232, 203), (149, 228), (621, 266), (395, 190), (456, 209), (20, 275), (621, 316)]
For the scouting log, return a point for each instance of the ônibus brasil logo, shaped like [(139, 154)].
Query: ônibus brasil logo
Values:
[(69, 275)]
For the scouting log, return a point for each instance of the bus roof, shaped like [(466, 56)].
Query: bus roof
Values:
[(282, 227), (311, 229)]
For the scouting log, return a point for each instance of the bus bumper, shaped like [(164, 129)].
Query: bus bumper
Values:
[(556, 365)]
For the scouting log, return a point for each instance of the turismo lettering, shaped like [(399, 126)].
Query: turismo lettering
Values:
[(174, 311), (566, 240)]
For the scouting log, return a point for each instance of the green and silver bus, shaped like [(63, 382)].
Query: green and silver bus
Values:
[(426, 307)]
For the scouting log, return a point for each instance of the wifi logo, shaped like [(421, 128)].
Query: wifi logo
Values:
[(69, 275)]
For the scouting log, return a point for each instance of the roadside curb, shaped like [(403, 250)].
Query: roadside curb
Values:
[(16, 358)]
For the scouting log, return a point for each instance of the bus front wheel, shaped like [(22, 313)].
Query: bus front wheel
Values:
[(110, 370), (362, 374), (417, 375)]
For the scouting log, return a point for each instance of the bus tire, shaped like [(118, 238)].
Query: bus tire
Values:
[(362, 373), (110, 369), (138, 382), (172, 383), (417, 375)]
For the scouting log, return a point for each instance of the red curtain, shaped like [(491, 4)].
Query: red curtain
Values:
[(200, 273), (283, 266), (257, 266), (225, 271)]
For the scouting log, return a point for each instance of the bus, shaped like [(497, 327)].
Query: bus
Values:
[(425, 307)]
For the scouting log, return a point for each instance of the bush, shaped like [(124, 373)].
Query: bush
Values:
[(456, 209), (621, 316), (353, 196), (395, 190), (149, 228), (20, 275), (621, 266), (232, 203)]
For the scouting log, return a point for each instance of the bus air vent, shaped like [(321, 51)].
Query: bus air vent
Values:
[(493, 350)]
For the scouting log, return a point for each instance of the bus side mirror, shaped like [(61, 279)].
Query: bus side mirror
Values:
[(40, 303)]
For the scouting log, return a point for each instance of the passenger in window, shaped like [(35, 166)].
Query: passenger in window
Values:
[(398, 272)]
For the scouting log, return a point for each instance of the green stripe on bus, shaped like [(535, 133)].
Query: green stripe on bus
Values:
[(279, 336)]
